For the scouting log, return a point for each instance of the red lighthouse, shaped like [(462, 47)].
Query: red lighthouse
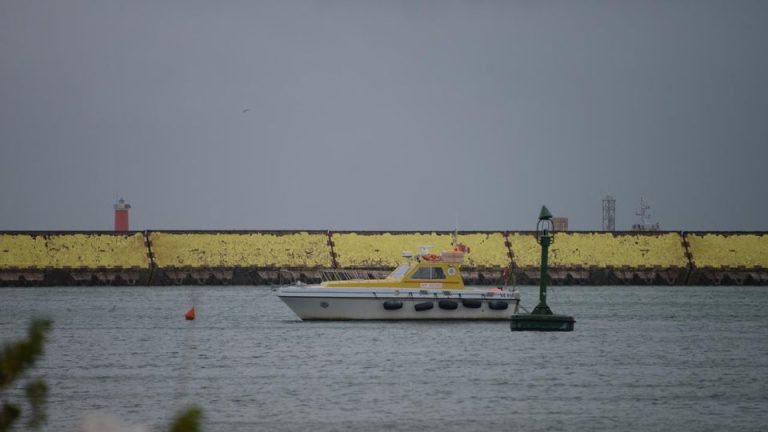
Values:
[(121, 215)]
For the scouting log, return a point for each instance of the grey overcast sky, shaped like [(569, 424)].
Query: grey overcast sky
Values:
[(244, 114)]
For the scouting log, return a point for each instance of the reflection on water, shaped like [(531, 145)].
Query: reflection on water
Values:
[(641, 358)]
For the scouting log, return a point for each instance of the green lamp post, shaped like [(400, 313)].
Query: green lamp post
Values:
[(542, 318), (545, 236)]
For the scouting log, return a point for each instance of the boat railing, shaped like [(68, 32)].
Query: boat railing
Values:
[(343, 275)]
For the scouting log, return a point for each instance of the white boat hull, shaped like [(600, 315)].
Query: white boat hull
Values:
[(321, 303)]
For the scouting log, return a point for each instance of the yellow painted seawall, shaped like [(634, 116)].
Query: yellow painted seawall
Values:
[(729, 251), (728, 258), (252, 257), (605, 258), (603, 250), (75, 250), (83, 258), (244, 249)]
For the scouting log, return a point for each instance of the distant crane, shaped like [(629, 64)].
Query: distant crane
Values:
[(609, 213)]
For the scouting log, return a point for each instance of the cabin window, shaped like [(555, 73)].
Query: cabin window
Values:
[(422, 273), (428, 273), (437, 273), (400, 271)]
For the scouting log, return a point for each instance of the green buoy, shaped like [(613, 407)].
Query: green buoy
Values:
[(542, 318)]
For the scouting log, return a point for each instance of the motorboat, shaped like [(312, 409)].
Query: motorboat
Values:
[(423, 287)]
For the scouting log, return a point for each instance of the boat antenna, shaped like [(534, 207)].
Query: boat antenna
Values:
[(455, 235)]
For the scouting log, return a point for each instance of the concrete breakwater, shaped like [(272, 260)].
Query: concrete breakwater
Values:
[(275, 257)]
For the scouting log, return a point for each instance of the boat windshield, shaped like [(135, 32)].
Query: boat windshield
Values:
[(400, 271)]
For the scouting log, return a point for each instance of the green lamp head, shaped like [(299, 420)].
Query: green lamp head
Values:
[(545, 228), (544, 214)]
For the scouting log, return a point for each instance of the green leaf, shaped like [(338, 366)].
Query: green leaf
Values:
[(8, 415), (37, 395), (187, 420), (17, 357)]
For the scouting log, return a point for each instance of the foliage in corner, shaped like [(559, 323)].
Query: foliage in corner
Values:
[(15, 359), (187, 420)]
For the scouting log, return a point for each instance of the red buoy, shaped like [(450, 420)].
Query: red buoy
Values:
[(190, 315)]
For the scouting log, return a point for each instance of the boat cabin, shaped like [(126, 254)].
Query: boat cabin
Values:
[(424, 271)]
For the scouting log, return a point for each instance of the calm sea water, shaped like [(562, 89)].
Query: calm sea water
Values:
[(641, 358)]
